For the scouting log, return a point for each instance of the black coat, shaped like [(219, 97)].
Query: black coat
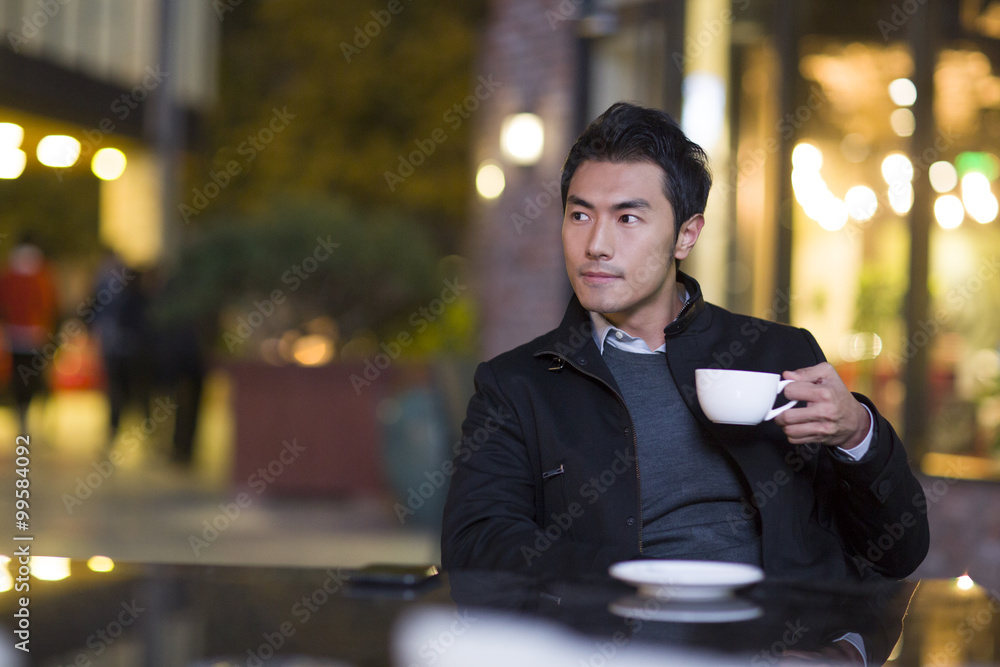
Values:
[(546, 478)]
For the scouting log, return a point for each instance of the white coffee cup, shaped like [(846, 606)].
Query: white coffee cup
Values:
[(739, 397)]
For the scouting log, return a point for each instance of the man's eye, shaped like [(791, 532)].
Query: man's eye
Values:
[(628, 218), (578, 215)]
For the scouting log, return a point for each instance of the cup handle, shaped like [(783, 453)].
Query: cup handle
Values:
[(778, 410)]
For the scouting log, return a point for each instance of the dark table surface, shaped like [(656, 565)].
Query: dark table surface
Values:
[(149, 614)]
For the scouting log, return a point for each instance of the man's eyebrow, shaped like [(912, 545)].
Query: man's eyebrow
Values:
[(620, 206), (631, 203)]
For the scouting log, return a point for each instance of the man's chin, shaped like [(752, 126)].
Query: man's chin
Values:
[(602, 306)]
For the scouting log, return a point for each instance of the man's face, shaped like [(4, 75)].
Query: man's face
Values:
[(618, 240)]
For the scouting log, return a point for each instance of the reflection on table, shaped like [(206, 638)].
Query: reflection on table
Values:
[(214, 615)]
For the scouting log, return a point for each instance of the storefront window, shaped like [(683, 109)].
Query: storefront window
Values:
[(852, 178)]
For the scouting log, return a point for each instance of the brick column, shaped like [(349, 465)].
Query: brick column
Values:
[(518, 269)]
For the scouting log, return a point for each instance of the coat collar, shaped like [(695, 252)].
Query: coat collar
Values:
[(571, 338)]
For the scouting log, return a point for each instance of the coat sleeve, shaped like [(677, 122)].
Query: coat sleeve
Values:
[(881, 511), (492, 513)]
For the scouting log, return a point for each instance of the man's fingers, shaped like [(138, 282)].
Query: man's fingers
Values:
[(811, 373), (808, 392)]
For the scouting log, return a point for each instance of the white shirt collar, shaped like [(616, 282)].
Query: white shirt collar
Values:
[(605, 332)]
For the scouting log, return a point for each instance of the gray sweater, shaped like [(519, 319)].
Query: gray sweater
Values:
[(691, 490)]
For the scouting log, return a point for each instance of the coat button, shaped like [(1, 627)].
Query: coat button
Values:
[(845, 485), (884, 487), (582, 361), (630, 521)]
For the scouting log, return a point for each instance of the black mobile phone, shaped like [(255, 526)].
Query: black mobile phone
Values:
[(392, 574)]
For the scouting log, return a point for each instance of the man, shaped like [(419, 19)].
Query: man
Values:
[(588, 446)]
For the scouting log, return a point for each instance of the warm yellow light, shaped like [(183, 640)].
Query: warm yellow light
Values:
[(862, 202), (943, 176), (975, 183), (807, 185), (902, 92), (902, 121), (983, 208), (901, 197), (11, 135), (833, 215), (703, 113), (522, 138), (861, 345), (313, 350), (977, 197), (6, 580), (12, 162), (490, 180), (813, 194), (807, 157), (108, 164), (965, 582), (949, 211), (896, 168), (58, 150), (49, 568), (100, 564)]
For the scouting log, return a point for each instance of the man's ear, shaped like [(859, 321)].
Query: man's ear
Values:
[(688, 235)]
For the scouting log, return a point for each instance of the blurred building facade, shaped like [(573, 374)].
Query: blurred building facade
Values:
[(130, 75), (854, 150)]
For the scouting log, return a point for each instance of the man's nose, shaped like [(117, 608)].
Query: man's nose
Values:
[(600, 243)]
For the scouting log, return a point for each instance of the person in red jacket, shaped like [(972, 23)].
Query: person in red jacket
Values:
[(28, 311)]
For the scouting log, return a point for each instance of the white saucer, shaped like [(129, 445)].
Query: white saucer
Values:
[(726, 610), (686, 579)]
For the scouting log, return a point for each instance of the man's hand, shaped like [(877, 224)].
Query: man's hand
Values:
[(831, 416)]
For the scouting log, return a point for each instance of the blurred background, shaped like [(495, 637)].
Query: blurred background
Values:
[(254, 249)]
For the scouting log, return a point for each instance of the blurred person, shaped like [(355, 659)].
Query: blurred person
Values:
[(179, 362), (117, 316), (182, 372), (588, 445), (28, 312)]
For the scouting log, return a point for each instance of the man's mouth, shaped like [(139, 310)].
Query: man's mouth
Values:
[(599, 277)]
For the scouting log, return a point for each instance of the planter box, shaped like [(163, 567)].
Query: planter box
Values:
[(307, 431)]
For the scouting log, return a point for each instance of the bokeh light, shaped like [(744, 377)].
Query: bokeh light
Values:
[(12, 162), (944, 176), (522, 138), (108, 164), (49, 568), (11, 135), (862, 202), (902, 92), (948, 211), (903, 122), (100, 564), (490, 180), (901, 197), (58, 150), (807, 157), (897, 168)]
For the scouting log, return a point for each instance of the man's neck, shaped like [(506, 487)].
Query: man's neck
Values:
[(650, 328)]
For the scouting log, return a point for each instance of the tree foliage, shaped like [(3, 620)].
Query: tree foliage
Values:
[(299, 260), (359, 86)]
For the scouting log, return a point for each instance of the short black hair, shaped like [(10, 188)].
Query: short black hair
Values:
[(631, 133)]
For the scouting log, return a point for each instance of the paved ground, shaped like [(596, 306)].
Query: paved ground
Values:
[(130, 503)]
